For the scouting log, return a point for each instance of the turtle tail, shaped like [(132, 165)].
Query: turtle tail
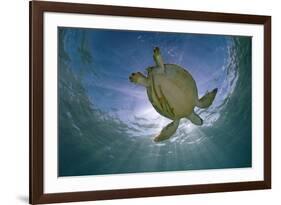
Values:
[(207, 99)]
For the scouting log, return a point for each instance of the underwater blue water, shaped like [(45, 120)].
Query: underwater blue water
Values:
[(106, 123)]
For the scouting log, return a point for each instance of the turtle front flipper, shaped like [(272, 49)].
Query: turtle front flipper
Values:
[(207, 99), (158, 59), (139, 78), (167, 131)]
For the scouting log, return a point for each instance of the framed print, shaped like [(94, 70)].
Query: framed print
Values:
[(138, 102)]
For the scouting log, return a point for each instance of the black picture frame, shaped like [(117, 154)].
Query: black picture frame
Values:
[(37, 9)]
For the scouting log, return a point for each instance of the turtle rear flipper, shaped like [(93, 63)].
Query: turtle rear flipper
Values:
[(167, 131), (207, 99), (195, 119)]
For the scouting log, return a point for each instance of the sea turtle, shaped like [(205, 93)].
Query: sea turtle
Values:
[(173, 93)]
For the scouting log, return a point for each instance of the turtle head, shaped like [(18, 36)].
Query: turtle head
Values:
[(158, 59), (156, 52)]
